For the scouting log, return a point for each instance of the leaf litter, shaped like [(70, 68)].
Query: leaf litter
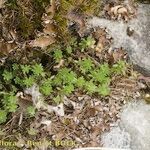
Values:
[(80, 118)]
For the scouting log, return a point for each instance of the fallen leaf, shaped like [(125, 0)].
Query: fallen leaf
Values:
[(118, 12), (59, 136), (20, 143), (100, 36), (99, 47), (42, 41), (6, 48), (122, 10), (119, 54), (51, 8), (114, 10), (59, 109), (46, 122), (49, 29), (61, 63), (37, 98), (2, 3), (49, 12), (79, 20)]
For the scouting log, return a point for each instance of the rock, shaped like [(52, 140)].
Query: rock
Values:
[(133, 130), (135, 119), (116, 138), (137, 44)]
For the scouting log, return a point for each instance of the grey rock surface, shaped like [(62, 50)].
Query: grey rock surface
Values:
[(137, 45), (117, 138), (133, 130), (135, 119)]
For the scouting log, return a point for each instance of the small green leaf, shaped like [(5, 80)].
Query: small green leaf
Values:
[(7, 75), (28, 82), (86, 43), (10, 102), (31, 111), (46, 87), (38, 70), (19, 81), (66, 76), (68, 89), (57, 99), (104, 90), (58, 55), (69, 49), (86, 65), (120, 67), (104, 69), (3, 116), (90, 87), (80, 82), (25, 69), (15, 67)]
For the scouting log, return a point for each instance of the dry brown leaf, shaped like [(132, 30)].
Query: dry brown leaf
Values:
[(20, 143), (122, 10), (118, 12), (59, 109), (61, 63), (100, 36), (2, 3), (114, 10), (50, 12), (95, 131), (42, 41), (79, 19), (49, 29), (59, 136), (51, 8), (99, 47), (92, 143), (6, 48), (91, 112), (24, 101), (119, 55)]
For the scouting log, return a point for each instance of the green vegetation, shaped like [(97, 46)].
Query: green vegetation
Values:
[(77, 74), (79, 7), (27, 19), (27, 16)]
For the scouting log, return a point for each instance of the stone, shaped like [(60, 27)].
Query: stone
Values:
[(135, 119), (133, 131), (137, 45)]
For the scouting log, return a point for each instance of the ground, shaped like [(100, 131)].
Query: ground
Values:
[(61, 84)]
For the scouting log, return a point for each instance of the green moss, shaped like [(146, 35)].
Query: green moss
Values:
[(91, 7), (27, 16)]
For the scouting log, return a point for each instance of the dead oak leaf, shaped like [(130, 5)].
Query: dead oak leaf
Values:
[(79, 20), (6, 48), (60, 64), (43, 41), (100, 36), (49, 29), (119, 11)]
